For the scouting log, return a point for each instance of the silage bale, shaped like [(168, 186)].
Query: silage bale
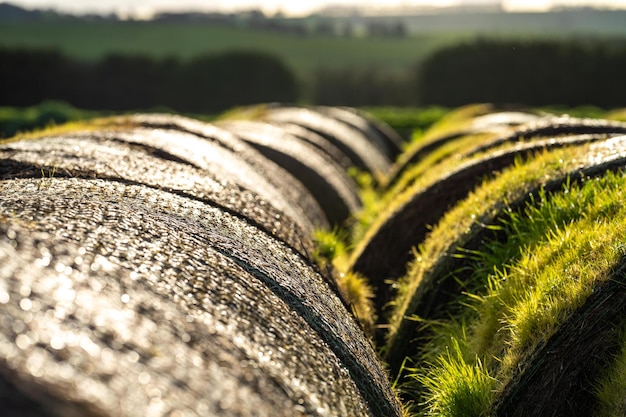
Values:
[(328, 183), (556, 126), (123, 300), (361, 150), (490, 124), (316, 140)]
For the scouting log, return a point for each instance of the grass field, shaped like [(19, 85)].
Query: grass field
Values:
[(93, 40)]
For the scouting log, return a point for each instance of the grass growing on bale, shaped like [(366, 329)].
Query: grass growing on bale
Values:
[(434, 166), (69, 127), (452, 122), (331, 248), (557, 249), (477, 209), (449, 153)]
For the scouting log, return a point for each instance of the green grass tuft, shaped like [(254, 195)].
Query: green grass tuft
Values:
[(457, 387), (558, 248)]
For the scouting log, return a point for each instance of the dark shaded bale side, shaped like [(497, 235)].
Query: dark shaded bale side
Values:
[(91, 155), (134, 301), (206, 146), (362, 152), (559, 379), (385, 138), (438, 288), (385, 252), (335, 192)]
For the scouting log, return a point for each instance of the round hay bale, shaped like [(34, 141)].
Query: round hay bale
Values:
[(206, 145), (92, 155), (435, 280), (124, 300), (334, 190), (363, 154)]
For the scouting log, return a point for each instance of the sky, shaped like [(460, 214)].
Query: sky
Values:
[(288, 7)]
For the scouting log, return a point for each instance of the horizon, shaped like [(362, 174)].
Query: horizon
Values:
[(149, 8)]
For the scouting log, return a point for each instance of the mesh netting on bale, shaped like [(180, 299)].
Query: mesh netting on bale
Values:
[(92, 155), (383, 137), (360, 149), (322, 144), (124, 300), (331, 186), (208, 146)]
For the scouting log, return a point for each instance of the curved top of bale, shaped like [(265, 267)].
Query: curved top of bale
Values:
[(453, 127), (427, 285), (92, 155), (333, 189), (542, 312), (320, 143), (201, 151), (131, 226), (380, 134), (553, 126), (363, 153), (580, 350)]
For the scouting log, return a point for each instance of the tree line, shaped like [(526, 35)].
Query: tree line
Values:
[(534, 73), (569, 73), (206, 84)]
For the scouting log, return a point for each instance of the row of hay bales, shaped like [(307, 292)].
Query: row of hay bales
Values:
[(155, 265), (498, 261)]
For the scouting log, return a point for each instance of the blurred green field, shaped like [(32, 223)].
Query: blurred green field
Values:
[(93, 40)]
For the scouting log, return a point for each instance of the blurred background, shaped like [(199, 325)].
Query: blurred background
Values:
[(65, 59)]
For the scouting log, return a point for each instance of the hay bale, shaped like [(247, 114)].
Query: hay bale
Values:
[(333, 189), (559, 379), (552, 126), (496, 124), (92, 155), (362, 152), (124, 300)]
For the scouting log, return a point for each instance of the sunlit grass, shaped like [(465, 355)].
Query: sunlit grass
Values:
[(557, 249), (455, 386), (474, 211)]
